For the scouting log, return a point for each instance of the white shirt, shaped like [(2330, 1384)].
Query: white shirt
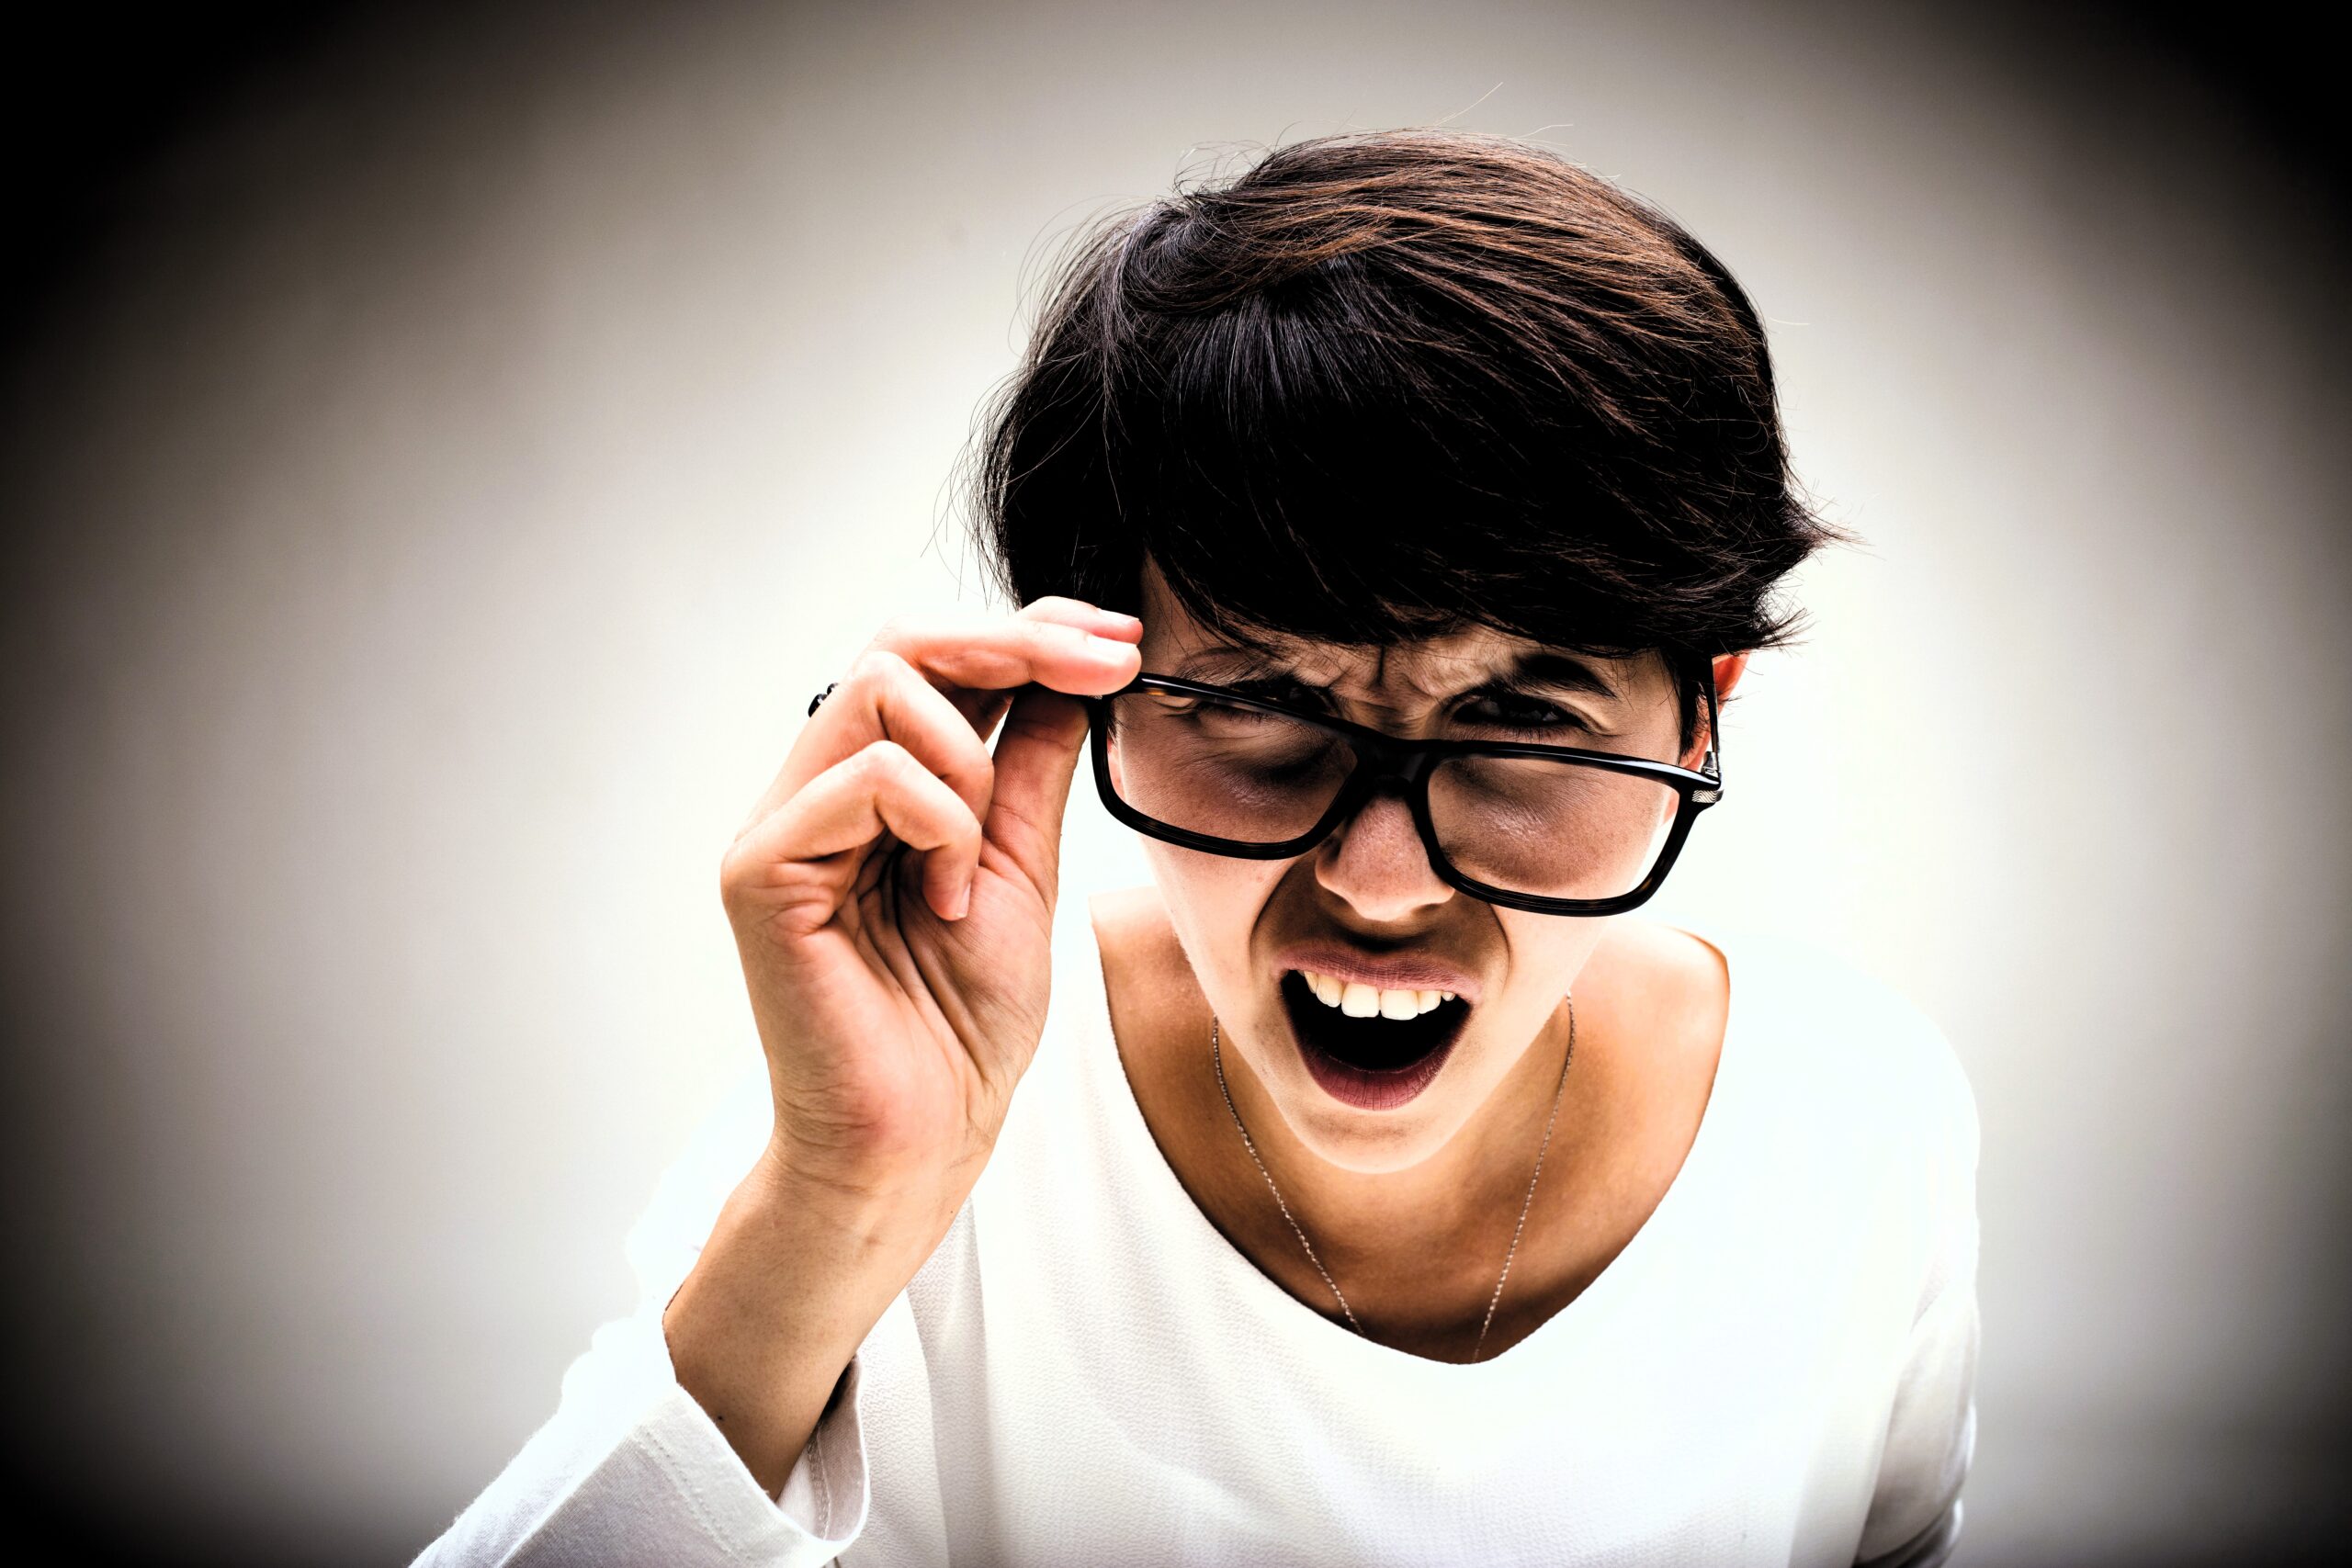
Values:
[(1778, 1368)]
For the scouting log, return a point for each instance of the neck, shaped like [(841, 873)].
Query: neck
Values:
[(1449, 1204), (1415, 1250)]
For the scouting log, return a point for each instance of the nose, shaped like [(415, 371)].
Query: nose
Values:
[(1377, 863)]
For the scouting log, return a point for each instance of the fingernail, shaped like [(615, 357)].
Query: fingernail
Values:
[(1118, 620), (962, 905)]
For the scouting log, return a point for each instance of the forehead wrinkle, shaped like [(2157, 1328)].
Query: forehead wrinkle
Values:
[(1401, 677), (1432, 672), (1207, 654)]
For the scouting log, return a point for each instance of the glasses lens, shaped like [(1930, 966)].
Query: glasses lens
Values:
[(1222, 769), (1553, 828)]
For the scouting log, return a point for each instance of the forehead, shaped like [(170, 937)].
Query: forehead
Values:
[(1430, 666)]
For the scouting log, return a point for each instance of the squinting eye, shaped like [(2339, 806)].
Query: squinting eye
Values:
[(1231, 713), (1517, 713), (1290, 694), (1207, 713)]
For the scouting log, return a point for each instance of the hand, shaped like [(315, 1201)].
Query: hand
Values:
[(892, 894)]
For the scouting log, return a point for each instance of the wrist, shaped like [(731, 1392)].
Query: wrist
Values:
[(785, 1289)]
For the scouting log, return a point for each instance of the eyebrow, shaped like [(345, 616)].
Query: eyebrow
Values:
[(1222, 666), (1534, 667), (1543, 667)]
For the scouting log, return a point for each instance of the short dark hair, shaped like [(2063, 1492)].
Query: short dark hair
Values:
[(1382, 386)]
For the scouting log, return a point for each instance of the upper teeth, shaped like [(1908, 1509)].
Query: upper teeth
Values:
[(1359, 1000)]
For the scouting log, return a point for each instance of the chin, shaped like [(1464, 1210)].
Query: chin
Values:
[(1343, 1136), (1371, 1116)]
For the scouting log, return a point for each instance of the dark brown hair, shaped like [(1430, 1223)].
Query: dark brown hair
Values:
[(1384, 386)]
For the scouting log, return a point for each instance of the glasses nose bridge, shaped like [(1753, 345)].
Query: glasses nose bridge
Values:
[(1383, 761), (1391, 756)]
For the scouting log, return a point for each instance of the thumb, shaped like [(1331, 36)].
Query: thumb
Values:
[(1035, 755)]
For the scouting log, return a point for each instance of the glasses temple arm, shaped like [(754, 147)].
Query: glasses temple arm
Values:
[(1711, 763)]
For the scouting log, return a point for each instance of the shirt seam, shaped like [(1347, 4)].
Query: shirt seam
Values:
[(687, 1486)]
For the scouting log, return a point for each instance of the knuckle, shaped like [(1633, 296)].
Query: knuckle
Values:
[(878, 758), (739, 871), (896, 632), (879, 667), (882, 761)]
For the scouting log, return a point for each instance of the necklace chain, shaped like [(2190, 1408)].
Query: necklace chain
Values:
[(1216, 1055)]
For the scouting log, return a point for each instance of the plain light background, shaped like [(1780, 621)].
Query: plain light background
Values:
[(436, 498)]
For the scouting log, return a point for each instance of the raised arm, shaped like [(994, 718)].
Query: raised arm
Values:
[(892, 897)]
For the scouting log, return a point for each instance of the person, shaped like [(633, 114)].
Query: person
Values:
[(1390, 523)]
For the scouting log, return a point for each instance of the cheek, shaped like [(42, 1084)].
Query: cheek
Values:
[(1547, 952), (1216, 903), (1215, 896)]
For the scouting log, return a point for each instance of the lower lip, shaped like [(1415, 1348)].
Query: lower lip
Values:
[(1366, 1089)]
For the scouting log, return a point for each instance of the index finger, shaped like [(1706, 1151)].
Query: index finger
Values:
[(1066, 645)]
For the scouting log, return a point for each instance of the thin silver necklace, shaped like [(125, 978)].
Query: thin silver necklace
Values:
[(1216, 1055)]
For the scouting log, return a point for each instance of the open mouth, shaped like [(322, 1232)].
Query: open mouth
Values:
[(1372, 1049)]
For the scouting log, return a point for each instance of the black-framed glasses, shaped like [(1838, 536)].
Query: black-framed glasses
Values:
[(1554, 829)]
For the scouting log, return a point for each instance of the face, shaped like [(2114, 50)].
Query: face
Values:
[(1364, 907)]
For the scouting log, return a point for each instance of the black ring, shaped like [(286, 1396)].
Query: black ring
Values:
[(819, 698)]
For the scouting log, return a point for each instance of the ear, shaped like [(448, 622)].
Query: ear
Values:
[(1729, 668)]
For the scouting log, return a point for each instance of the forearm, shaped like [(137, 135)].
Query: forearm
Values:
[(793, 1278)]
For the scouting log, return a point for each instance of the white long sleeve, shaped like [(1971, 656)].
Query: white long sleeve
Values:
[(1931, 1430), (630, 1469)]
